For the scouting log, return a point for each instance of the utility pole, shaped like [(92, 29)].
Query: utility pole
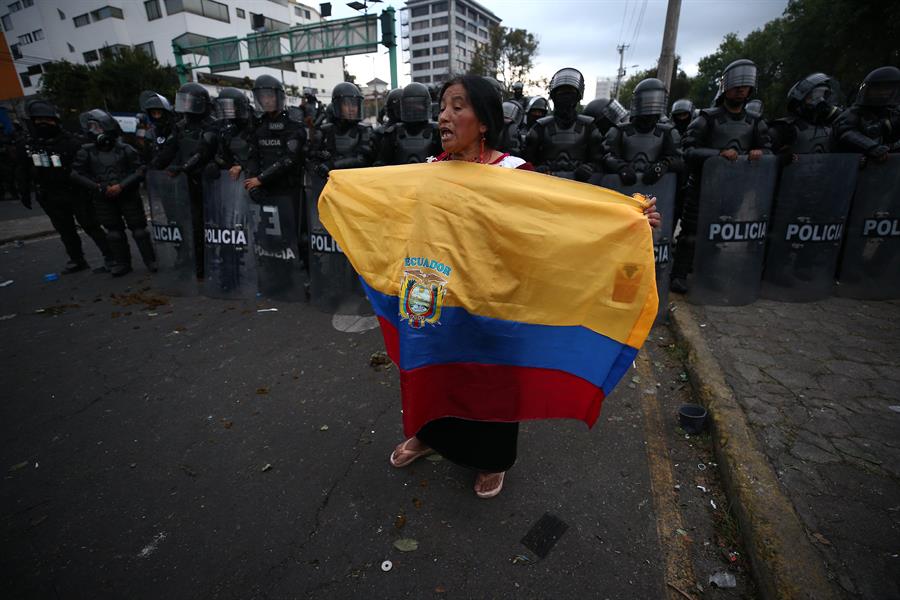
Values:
[(621, 73), (666, 66)]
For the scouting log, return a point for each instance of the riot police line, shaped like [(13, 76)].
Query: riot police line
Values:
[(780, 209)]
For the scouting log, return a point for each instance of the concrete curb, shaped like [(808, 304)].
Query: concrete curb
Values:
[(785, 563), (27, 236)]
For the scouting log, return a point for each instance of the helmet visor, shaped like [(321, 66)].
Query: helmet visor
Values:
[(880, 94), (650, 102), (348, 108), (189, 103), (614, 112), (268, 99), (817, 95), (512, 112), (230, 108), (415, 110), (741, 75)]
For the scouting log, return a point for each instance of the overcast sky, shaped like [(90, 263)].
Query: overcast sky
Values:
[(584, 33)]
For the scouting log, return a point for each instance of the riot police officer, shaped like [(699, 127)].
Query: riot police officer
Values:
[(872, 124), (235, 118), (518, 94), (642, 145), (538, 107), (46, 164), (681, 115), (511, 137), (187, 150), (111, 171), (565, 144), (9, 160), (388, 116), (162, 123), (605, 112), (808, 128), (416, 137), (726, 130), (276, 143), (346, 143)]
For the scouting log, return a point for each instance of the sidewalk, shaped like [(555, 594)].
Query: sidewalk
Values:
[(20, 223), (819, 385)]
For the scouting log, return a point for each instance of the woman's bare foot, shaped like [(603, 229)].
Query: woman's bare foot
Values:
[(408, 451), (488, 485)]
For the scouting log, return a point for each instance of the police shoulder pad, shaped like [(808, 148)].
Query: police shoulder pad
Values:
[(545, 121)]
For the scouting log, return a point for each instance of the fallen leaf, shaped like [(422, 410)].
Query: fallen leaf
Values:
[(821, 539), (440, 590), (227, 424), (262, 391), (406, 545), (417, 503), (400, 522)]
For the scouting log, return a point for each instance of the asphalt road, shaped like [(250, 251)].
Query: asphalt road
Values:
[(202, 449)]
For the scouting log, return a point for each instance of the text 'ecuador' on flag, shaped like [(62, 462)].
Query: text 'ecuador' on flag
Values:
[(503, 294)]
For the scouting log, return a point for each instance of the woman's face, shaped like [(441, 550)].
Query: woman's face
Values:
[(460, 128)]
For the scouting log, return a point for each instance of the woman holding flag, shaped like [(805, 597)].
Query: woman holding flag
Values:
[(470, 124)]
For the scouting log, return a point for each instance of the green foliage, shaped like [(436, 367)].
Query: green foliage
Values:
[(113, 85), (681, 85), (508, 55)]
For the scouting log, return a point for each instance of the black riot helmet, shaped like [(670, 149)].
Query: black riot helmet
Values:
[(192, 99), (881, 87), (566, 90), (150, 100), (538, 107), (100, 126), (682, 106), (347, 102), (42, 109), (232, 104), (739, 73), (813, 97), (269, 94), (567, 77), (392, 105), (512, 112), (517, 88), (649, 99), (605, 110), (415, 103)]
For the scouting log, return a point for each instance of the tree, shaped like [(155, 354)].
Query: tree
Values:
[(508, 55), (114, 85), (681, 84), (348, 77)]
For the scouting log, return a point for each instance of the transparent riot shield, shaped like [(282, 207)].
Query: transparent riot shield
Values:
[(229, 232), (279, 269), (173, 237), (808, 222), (870, 261), (664, 190), (733, 221), (334, 286)]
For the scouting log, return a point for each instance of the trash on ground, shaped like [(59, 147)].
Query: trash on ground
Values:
[(821, 539), (227, 424), (262, 391), (400, 522), (701, 488), (434, 458), (713, 504), (267, 467), (895, 408), (544, 534), (406, 545), (6, 283), (323, 428), (51, 276), (701, 467), (267, 310), (722, 579), (387, 566), (18, 466), (8, 317), (520, 559), (379, 359)]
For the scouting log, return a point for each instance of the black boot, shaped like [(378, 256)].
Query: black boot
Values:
[(145, 246), (73, 266), (118, 244)]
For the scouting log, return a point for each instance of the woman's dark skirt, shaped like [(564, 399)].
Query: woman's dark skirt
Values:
[(488, 447)]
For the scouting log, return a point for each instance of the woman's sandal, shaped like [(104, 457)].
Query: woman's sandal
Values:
[(410, 455), (490, 493)]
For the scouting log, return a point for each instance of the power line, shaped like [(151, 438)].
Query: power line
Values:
[(622, 25), (637, 28)]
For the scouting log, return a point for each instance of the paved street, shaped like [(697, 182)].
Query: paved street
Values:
[(193, 448)]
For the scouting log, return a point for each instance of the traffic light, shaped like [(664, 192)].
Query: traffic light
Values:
[(388, 32)]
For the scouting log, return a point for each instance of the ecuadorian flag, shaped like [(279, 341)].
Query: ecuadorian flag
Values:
[(503, 294)]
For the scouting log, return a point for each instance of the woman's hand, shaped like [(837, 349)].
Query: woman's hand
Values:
[(252, 183), (653, 216)]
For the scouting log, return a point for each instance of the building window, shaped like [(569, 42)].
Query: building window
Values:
[(439, 7), (440, 21), (417, 25), (472, 27), (424, 66), (153, 10), (440, 50), (62, 15), (460, 36), (82, 20), (461, 22), (110, 51), (440, 35), (421, 39), (25, 79), (37, 34), (307, 16), (461, 51), (14, 50), (71, 47), (204, 8), (15, 7), (7, 23), (106, 12), (240, 13), (90, 56), (440, 64), (422, 52), (419, 11), (25, 39), (147, 48), (27, 3), (422, 78)]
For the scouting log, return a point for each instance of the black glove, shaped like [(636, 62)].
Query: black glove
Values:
[(321, 170), (583, 172), (627, 175), (25, 197), (211, 171), (878, 152), (323, 155), (654, 172)]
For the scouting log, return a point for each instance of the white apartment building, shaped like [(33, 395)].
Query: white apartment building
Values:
[(85, 31), (441, 37), (604, 87)]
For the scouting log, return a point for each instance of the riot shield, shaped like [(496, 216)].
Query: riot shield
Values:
[(808, 223), (664, 190), (334, 286), (735, 203), (870, 261), (229, 237), (170, 218), (280, 273)]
